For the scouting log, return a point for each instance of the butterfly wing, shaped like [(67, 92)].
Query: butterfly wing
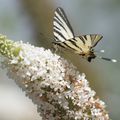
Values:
[(62, 29), (75, 44), (92, 39), (82, 44), (64, 36)]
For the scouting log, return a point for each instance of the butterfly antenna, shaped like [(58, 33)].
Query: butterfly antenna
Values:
[(107, 59)]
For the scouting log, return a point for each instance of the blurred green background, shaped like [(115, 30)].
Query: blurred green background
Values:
[(31, 21)]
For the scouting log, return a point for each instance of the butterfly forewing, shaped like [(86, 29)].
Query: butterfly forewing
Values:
[(62, 29)]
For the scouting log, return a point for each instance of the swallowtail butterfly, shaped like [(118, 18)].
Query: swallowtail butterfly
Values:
[(64, 37)]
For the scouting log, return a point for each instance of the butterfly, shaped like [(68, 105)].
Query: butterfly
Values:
[(65, 38)]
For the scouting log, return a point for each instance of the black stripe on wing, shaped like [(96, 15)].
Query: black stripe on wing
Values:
[(95, 38), (62, 29), (64, 17), (60, 34), (91, 40), (72, 44)]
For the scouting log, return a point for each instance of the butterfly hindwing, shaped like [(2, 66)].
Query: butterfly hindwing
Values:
[(95, 38), (91, 40), (83, 43), (62, 29)]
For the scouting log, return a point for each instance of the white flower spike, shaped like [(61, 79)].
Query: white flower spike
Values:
[(58, 89)]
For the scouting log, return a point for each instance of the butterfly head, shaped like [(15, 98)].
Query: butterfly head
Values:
[(90, 55)]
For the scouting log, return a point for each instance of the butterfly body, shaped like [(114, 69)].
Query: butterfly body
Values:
[(65, 38)]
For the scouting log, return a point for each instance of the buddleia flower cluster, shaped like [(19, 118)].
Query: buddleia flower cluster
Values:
[(54, 85)]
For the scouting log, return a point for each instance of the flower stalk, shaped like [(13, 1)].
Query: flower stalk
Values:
[(58, 89)]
